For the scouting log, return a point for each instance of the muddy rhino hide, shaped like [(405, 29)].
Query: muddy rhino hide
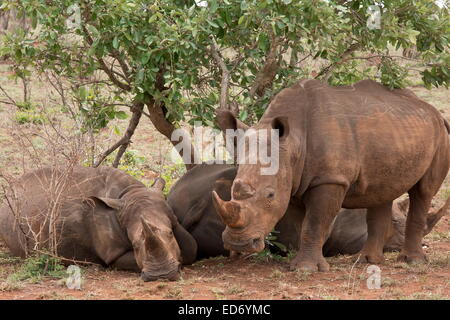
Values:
[(349, 230), (96, 235)]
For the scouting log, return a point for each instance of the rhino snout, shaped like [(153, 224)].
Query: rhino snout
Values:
[(253, 244), (172, 275)]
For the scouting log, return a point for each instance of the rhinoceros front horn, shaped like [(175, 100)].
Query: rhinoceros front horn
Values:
[(229, 211), (151, 237)]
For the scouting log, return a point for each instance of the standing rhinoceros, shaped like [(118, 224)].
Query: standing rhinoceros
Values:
[(102, 216), (358, 146), (349, 230), (195, 211)]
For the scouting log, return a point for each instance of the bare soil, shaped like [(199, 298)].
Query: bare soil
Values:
[(259, 278)]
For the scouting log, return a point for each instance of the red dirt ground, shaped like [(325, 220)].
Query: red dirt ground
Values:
[(258, 278)]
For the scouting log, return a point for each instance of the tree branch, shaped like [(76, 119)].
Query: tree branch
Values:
[(267, 73), (123, 65), (109, 72), (225, 82), (12, 101), (126, 139), (326, 72)]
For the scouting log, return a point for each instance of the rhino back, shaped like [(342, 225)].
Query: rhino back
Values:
[(57, 191), (348, 132)]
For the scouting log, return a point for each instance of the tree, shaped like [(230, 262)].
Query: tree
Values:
[(176, 60)]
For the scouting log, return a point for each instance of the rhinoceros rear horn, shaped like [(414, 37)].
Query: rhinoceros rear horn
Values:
[(242, 191), (229, 211), (159, 184), (434, 217)]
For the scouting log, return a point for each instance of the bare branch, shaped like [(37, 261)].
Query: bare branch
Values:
[(326, 72), (126, 139), (225, 75), (267, 73), (12, 101), (104, 67), (123, 65)]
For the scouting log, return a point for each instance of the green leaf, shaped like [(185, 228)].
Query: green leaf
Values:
[(153, 18), (213, 24), (117, 130), (121, 115), (115, 43)]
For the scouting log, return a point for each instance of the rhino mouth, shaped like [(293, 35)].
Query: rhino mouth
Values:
[(252, 245), (172, 275)]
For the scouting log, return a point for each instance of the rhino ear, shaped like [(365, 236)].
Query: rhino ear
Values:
[(403, 205), (187, 244), (116, 204), (282, 125), (227, 120)]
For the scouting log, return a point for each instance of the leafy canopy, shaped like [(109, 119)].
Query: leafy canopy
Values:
[(160, 50)]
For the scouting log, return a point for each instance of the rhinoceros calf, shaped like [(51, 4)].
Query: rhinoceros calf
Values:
[(358, 146), (191, 201), (102, 216)]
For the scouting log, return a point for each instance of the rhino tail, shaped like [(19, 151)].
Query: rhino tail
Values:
[(434, 217), (447, 125)]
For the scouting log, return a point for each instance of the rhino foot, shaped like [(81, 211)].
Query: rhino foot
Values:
[(309, 265), (363, 257), (413, 258)]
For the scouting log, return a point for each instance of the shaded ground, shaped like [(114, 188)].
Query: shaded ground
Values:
[(259, 278), (221, 278)]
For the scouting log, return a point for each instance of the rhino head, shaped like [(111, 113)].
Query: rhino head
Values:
[(258, 201), (160, 243), (399, 214)]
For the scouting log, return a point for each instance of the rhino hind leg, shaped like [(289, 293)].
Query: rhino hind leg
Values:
[(322, 204), (378, 231), (415, 224), (420, 200)]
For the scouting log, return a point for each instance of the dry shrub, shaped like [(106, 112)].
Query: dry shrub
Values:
[(57, 142)]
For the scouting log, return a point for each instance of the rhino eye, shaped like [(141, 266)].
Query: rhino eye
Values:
[(270, 194)]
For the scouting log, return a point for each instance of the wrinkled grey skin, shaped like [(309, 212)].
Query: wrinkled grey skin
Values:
[(105, 217), (191, 201), (196, 212)]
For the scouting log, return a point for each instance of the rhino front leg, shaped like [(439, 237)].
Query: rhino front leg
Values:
[(322, 203), (379, 228), (126, 262)]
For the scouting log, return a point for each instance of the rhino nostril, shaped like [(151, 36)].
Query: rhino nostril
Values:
[(255, 242)]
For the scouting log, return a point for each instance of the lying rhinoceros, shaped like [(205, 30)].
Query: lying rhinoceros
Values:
[(102, 216), (195, 211)]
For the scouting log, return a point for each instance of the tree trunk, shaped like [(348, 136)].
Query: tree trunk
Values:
[(157, 114)]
